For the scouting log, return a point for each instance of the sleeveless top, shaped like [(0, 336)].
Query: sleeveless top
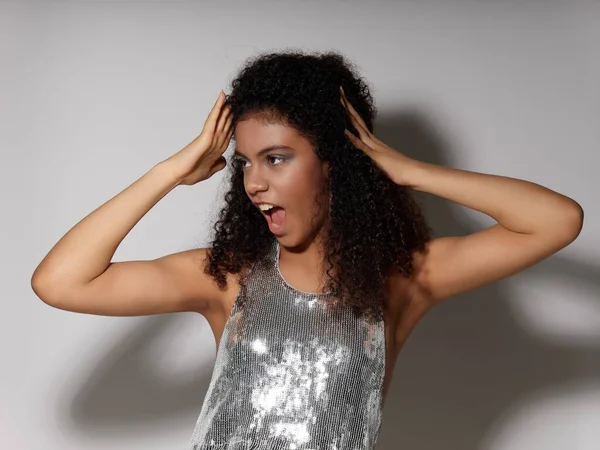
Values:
[(290, 373)]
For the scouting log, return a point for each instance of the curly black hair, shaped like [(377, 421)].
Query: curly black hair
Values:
[(375, 224)]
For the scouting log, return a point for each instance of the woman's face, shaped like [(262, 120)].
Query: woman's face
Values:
[(281, 168)]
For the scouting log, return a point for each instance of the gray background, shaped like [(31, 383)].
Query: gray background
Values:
[(95, 93)]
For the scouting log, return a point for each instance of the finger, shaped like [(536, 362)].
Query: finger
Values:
[(217, 137), (227, 127), (357, 142), (224, 115), (358, 123), (225, 135), (356, 120), (353, 111), (211, 120), (369, 138), (364, 135)]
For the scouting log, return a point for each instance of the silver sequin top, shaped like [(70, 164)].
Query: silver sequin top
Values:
[(290, 373)]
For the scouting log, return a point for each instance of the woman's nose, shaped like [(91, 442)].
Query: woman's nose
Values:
[(255, 183)]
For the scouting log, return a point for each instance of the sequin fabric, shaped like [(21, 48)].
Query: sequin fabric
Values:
[(292, 373)]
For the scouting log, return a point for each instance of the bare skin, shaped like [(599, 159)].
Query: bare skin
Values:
[(292, 178), (78, 274)]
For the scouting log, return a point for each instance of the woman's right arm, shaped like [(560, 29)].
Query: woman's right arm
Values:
[(78, 275)]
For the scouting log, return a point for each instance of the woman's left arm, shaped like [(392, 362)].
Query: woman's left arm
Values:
[(534, 222)]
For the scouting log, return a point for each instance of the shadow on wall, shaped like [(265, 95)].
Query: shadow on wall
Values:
[(125, 395), (466, 365)]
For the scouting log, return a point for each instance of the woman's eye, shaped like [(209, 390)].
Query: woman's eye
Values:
[(272, 157)]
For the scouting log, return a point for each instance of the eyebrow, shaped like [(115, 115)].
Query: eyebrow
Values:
[(265, 150)]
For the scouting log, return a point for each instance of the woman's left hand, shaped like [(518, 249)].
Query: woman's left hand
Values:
[(395, 165)]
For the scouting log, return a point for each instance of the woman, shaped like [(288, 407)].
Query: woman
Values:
[(321, 263)]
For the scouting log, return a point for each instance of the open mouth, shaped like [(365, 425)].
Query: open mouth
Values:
[(275, 216)]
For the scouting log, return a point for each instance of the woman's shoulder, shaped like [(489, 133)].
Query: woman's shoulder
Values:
[(192, 264)]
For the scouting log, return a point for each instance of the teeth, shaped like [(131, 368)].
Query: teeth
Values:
[(265, 206)]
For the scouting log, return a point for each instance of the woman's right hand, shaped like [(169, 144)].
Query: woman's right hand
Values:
[(203, 157)]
